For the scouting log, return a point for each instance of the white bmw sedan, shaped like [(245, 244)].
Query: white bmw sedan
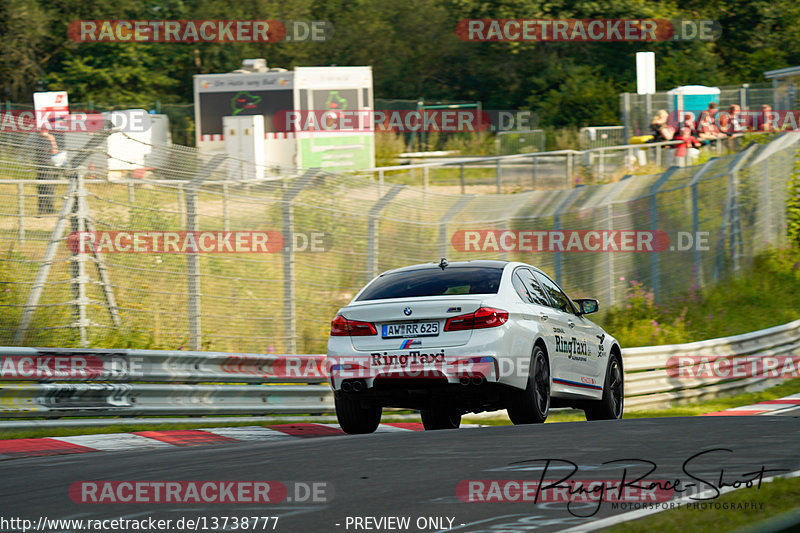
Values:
[(466, 337)]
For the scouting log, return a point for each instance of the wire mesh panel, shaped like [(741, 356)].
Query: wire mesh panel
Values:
[(184, 255)]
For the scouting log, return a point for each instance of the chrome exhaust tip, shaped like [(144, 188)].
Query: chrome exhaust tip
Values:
[(359, 385), (347, 386), (478, 381), (464, 381)]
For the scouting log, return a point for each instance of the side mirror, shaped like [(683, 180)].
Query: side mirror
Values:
[(587, 306)]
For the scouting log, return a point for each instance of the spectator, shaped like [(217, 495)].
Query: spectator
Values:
[(736, 124), (688, 146), (46, 147), (688, 121), (767, 118), (707, 130), (660, 127)]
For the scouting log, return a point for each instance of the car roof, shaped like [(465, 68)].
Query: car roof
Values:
[(480, 263)]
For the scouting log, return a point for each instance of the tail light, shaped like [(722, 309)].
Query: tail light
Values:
[(342, 327), (485, 317)]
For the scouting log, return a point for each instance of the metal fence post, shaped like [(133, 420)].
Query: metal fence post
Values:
[(78, 261), (131, 194), (557, 259), (610, 255), (535, 171), (570, 169), (463, 185), (372, 230), (287, 217), (655, 274), (193, 274), (226, 221), (499, 177), (698, 264), (626, 114), (21, 213), (449, 215), (193, 258)]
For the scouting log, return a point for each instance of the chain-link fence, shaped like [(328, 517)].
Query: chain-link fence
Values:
[(637, 110), (322, 237)]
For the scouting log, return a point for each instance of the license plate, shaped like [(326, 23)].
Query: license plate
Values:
[(410, 329)]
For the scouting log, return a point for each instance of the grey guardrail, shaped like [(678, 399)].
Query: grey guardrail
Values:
[(657, 376), (52, 382)]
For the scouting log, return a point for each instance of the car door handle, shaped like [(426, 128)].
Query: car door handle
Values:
[(571, 324), (543, 317)]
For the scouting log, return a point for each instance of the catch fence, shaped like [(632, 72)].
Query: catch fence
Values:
[(328, 234)]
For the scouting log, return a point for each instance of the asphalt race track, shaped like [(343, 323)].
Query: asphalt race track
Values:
[(415, 474)]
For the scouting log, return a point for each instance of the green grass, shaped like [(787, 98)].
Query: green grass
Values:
[(731, 307), (776, 497)]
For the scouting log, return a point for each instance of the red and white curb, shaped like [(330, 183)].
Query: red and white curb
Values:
[(14, 448), (768, 407)]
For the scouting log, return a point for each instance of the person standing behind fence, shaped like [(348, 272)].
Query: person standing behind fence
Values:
[(46, 148), (660, 127)]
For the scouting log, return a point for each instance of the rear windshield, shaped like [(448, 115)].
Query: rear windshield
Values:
[(434, 282)]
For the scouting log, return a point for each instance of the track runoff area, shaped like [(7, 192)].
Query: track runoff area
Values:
[(574, 476)]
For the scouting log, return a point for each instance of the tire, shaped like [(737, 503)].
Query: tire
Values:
[(440, 418), (355, 419), (611, 406), (532, 405)]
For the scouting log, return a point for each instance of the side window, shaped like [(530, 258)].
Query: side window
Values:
[(535, 291), (519, 286), (560, 300)]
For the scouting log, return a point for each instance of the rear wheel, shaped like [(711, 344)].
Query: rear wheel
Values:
[(532, 405), (355, 419), (610, 406), (442, 417)]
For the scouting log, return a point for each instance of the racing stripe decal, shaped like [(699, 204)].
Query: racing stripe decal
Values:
[(576, 384)]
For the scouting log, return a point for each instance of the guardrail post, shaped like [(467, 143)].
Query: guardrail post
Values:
[(21, 213), (463, 185), (131, 194), (372, 230), (499, 177), (535, 161)]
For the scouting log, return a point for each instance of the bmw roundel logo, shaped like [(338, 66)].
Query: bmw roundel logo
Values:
[(407, 311)]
